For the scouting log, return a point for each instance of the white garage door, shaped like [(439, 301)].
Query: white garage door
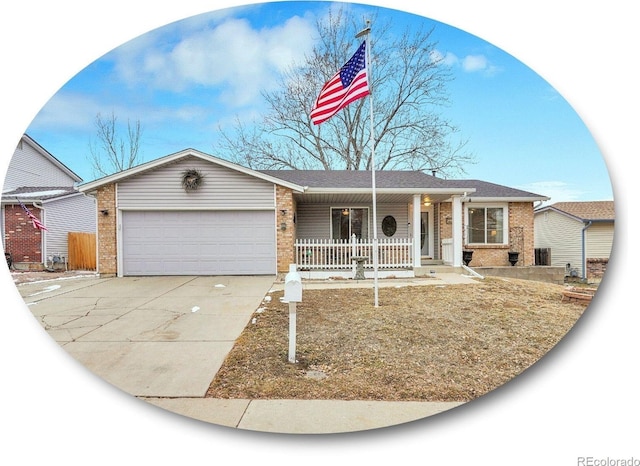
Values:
[(198, 243)]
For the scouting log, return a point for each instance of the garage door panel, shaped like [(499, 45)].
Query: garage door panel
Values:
[(198, 243)]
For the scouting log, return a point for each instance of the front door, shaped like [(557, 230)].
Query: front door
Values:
[(426, 233)]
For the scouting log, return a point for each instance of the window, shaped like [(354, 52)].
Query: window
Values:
[(486, 225), (347, 221), (389, 225)]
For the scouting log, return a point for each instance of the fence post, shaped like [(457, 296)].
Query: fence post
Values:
[(354, 252)]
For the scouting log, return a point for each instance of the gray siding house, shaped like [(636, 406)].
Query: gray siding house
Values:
[(48, 189), (577, 235), (192, 213)]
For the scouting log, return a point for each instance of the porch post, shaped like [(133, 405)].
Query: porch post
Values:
[(456, 223), (417, 256)]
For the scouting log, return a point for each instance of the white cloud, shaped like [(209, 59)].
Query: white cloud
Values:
[(74, 111), (472, 63), (232, 56), (447, 59), (78, 112), (468, 64), (558, 191)]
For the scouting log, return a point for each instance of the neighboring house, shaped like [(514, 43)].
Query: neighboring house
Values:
[(47, 188), (576, 235), (238, 221)]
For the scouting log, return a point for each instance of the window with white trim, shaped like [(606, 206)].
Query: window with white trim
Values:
[(348, 221), (487, 224)]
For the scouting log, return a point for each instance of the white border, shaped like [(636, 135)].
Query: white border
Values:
[(580, 401)]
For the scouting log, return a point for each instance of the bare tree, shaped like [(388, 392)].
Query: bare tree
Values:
[(408, 86), (112, 153)]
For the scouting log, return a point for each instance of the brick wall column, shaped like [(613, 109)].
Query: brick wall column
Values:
[(285, 228), (521, 215), (107, 231)]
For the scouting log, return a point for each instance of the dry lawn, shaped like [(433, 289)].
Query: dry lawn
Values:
[(425, 343)]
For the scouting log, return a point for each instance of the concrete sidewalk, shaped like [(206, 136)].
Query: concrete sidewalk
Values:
[(303, 416), (163, 339)]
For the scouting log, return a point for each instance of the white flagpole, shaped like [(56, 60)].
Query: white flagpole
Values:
[(365, 32)]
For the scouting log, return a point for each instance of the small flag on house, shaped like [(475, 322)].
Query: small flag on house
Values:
[(34, 220), (349, 84)]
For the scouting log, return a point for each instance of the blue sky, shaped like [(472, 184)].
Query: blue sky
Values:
[(186, 78)]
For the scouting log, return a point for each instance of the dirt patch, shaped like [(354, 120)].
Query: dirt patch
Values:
[(426, 343), (30, 276)]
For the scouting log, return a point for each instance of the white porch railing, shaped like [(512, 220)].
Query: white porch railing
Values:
[(330, 254), (447, 251)]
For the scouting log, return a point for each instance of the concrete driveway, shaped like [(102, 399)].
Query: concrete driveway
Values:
[(163, 339), (149, 336)]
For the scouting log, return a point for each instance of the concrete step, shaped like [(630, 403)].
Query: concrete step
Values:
[(427, 270)]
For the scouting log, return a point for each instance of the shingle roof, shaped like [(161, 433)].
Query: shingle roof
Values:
[(486, 189), (40, 193), (587, 210), (398, 179), (359, 178)]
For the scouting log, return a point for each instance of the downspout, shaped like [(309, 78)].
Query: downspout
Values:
[(43, 245), (584, 250)]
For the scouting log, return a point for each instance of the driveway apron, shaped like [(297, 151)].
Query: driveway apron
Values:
[(149, 336)]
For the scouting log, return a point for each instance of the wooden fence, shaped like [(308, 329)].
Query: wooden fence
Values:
[(543, 256), (82, 251)]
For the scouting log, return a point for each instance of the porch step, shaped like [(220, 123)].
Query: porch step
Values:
[(428, 270), (430, 262)]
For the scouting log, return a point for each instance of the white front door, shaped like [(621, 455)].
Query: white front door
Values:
[(426, 232)]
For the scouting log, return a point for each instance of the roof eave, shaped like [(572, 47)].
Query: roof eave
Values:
[(452, 192), (116, 177), (508, 199), (573, 216)]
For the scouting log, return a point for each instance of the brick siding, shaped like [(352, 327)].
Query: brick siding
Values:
[(520, 237), (596, 267), (21, 239)]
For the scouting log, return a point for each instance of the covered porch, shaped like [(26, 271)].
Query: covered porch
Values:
[(335, 233)]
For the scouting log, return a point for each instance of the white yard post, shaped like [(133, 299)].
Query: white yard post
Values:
[(292, 332), (292, 295)]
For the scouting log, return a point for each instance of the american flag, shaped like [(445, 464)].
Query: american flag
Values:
[(347, 85), (35, 220)]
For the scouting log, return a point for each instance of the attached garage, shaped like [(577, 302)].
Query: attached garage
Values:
[(198, 243), (153, 219)]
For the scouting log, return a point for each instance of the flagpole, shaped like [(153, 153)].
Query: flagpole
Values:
[(365, 32)]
